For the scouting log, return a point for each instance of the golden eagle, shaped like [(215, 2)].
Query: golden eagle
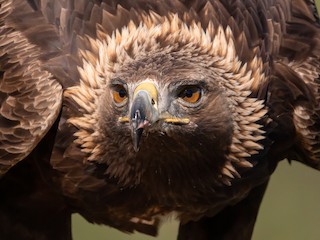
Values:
[(127, 111)]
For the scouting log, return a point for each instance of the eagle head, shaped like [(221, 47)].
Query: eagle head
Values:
[(167, 102)]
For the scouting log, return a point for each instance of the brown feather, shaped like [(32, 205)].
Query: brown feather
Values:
[(257, 62), (31, 97)]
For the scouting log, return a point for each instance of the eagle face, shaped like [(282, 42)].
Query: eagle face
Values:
[(158, 108), (168, 104)]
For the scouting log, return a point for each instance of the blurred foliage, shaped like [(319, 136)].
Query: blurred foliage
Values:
[(290, 210)]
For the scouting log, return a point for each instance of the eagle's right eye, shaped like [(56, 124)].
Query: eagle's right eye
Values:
[(119, 94)]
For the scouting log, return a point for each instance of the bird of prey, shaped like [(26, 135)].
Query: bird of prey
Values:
[(128, 111)]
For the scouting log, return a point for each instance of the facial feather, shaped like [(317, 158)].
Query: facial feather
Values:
[(172, 41)]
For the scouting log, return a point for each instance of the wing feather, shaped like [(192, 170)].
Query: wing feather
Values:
[(30, 96)]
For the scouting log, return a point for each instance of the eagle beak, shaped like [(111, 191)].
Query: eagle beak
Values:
[(143, 111)]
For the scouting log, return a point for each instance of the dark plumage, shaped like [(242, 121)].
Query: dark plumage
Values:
[(126, 111)]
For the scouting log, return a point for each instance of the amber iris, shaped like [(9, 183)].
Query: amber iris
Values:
[(191, 94), (119, 94)]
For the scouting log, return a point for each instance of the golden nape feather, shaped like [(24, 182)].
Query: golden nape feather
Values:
[(128, 111)]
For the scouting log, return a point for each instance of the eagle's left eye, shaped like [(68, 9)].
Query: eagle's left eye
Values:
[(190, 94), (119, 94)]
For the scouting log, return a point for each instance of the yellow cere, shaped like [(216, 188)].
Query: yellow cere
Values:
[(148, 87)]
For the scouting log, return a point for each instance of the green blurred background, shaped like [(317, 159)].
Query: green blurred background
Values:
[(290, 210)]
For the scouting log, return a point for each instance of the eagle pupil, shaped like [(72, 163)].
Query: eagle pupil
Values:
[(188, 93), (122, 93)]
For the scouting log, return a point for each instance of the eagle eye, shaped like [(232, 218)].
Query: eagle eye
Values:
[(119, 94), (190, 94)]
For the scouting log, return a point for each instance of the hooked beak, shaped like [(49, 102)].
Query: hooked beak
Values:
[(143, 110)]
